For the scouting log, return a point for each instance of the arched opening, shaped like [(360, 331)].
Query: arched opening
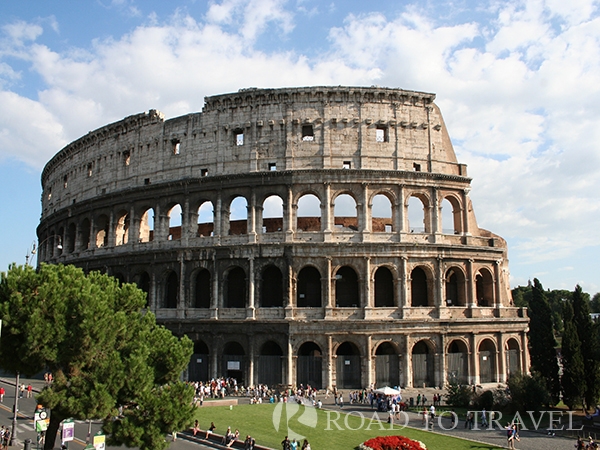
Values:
[(455, 287), (71, 237), (348, 366), (206, 225), (147, 226), (122, 228), (235, 294), (451, 216), (422, 365), (143, 283), (416, 215), (198, 368), (59, 247), (120, 278), (346, 288), (272, 214), (270, 364), (171, 290), (382, 219), (85, 234), (384, 288), (418, 287), (487, 361), (271, 292), (234, 362), (175, 223), (309, 288), (309, 365), (102, 231), (238, 216), (457, 360), (345, 215), (202, 289), (484, 285), (387, 366), (308, 217), (513, 361)]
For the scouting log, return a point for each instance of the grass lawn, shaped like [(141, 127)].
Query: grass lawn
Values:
[(322, 430)]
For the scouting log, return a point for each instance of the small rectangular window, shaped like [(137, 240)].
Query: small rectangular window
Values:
[(308, 133), (417, 167), (65, 181), (203, 172), (146, 181), (126, 158), (239, 137), (176, 146), (89, 170), (381, 134), (347, 165), (49, 193), (272, 167)]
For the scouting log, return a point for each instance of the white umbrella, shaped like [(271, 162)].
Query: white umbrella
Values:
[(386, 390)]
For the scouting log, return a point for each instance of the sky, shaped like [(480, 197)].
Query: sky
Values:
[(518, 83)]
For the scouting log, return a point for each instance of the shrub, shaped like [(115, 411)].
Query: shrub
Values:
[(528, 393), (458, 395)]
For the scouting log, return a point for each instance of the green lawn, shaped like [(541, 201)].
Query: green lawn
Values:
[(322, 430)]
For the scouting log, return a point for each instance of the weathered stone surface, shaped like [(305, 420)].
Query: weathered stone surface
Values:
[(210, 213)]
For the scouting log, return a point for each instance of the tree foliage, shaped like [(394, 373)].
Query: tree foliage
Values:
[(528, 392), (587, 332), (573, 377), (459, 395), (542, 343), (109, 358)]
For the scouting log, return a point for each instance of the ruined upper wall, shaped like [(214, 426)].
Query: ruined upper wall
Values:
[(257, 130)]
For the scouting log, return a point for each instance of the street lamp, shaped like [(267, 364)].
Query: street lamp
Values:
[(31, 252), (13, 434)]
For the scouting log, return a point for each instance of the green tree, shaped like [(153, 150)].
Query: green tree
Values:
[(106, 354), (527, 392), (459, 395), (587, 331), (573, 376), (595, 303), (542, 344)]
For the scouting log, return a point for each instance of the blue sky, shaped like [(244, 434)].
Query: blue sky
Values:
[(518, 83)]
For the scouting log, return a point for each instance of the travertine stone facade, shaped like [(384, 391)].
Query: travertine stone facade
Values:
[(319, 235)]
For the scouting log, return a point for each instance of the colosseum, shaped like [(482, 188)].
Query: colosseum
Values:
[(318, 235)]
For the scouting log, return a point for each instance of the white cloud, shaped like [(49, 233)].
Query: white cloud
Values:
[(21, 32), (28, 131)]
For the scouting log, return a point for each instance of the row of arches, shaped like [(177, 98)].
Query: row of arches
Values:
[(351, 368), (420, 213), (308, 286)]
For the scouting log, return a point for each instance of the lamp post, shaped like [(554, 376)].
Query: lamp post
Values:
[(32, 252), (13, 434)]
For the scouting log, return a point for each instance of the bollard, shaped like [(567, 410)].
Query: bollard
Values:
[(27, 444)]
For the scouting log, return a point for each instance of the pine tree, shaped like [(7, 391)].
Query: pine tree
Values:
[(542, 344), (587, 332), (105, 352), (573, 377)]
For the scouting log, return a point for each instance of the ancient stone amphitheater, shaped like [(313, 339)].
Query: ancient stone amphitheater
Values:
[(319, 235)]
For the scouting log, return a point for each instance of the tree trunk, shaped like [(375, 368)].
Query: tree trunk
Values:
[(55, 420)]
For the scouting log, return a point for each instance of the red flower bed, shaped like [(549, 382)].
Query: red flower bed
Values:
[(393, 443)]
